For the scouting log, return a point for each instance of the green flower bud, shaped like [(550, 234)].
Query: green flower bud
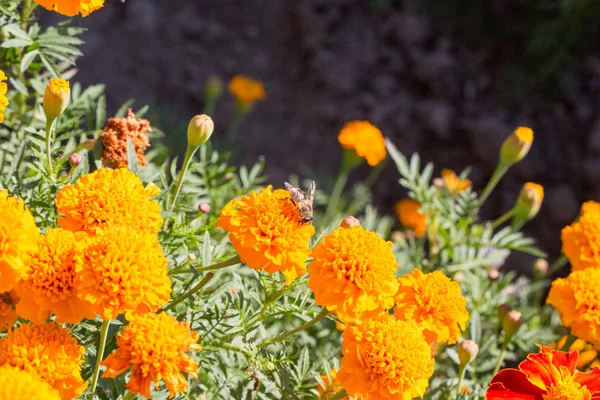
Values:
[(200, 130), (516, 146)]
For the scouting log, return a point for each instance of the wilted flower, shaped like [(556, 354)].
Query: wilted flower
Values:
[(516, 146), (453, 183), (434, 302), (50, 352), (407, 211), (352, 274), (70, 8), (18, 235), (21, 385), (331, 387), (576, 299), (385, 359), (581, 241), (246, 90), (265, 230), (124, 271), (56, 98), (365, 139), (3, 98), (106, 199), (8, 315), (547, 375), (114, 140), (50, 283), (154, 346), (529, 201), (200, 129)]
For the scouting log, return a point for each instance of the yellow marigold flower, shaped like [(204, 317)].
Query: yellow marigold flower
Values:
[(3, 98), (50, 284), (18, 238), (385, 359), (453, 183), (246, 90), (434, 302), (155, 347), (8, 315), (364, 138), (70, 8), (407, 211), (109, 198), (50, 352), (17, 384), (265, 230), (331, 388), (353, 274), (587, 353), (576, 299), (56, 98), (124, 270), (516, 146), (590, 207), (114, 140), (581, 242)]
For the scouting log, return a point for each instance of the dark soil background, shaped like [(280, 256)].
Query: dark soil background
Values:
[(447, 79)]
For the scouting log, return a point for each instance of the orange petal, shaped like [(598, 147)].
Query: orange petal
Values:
[(543, 369), (512, 384)]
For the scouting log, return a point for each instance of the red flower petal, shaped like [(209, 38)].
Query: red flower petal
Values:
[(591, 380), (543, 369), (513, 384)]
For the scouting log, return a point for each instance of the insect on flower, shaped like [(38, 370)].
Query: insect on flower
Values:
[(303, 201)]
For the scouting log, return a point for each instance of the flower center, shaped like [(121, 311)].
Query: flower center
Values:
[(567, 391)]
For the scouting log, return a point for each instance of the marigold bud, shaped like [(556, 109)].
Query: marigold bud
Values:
[(516, 146), (191, 257), (459, 277), (228, 175), (529, 201), (503, 309), (467, 351), (200, 130), (511, 323), (438, 182), (493, 274), (204, 208), (540, 268), (214, 87), (56, 98), (75, 159), (398, 236), (349, 222)]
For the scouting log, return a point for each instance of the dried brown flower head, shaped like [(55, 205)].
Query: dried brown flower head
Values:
[(114, 140)]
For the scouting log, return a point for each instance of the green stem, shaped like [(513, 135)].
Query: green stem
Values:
[(569, 342), (558, 264), (177, 188), (129, 396), (211, 104), (99, 355), (189, 293), (503, 218), (235, 124), (461, 374), (49, 125), (501, 169), (339, 395), (324, 313), (501, 356), (223, 264)]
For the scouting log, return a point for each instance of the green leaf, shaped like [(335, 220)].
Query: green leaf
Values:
[(18, 85), (16, 43), (17, 32), (27, 59)]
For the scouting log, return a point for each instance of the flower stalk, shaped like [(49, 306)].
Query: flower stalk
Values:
[(189, 293), (99, 355), (500, 171), (189, 153), (339, 395), (324, 313), (223, 264), (49, 128)]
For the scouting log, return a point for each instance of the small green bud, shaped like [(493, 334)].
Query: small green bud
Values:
[(529, 201), (467, 351), (516, 146), (511, 323), (200, 130)]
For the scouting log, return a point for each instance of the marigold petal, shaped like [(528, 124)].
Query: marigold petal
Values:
[(70, 8), (365, 139), (512, 384)]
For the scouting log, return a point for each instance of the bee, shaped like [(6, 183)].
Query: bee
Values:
[(303, 201)]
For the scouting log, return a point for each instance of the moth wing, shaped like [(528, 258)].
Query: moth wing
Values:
[(311, 191)]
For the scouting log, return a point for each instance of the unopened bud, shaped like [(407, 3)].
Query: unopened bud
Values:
[(214, 87), (540, 268), (191, 257), (349, 222), (503, 310), (398, 236), (516, 146), (200, 129), (56, 98), (204, 208), (511, 323), (75, 159), (438, 182), (529, 201), (459, 277), (270, 366), (493, 274), (467, 351), (228, 175)]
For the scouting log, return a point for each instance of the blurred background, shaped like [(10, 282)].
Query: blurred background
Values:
[(449, 79)]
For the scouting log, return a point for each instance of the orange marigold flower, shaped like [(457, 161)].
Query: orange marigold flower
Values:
[(154, 346), (246, 90), (331, 388), (453, 183), (581, 242), (49, 351), (590, 207), (18, 240), (364, 138), (3, 98), (407, 211), (50, 284), (587, 353), (576, 299), (114, 140), (385, 359), (353, 274), (124, 270), (17, 384), (8, 315), (70, 8), (109, 198), (547, 375), (265, 229), (434, 302)]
